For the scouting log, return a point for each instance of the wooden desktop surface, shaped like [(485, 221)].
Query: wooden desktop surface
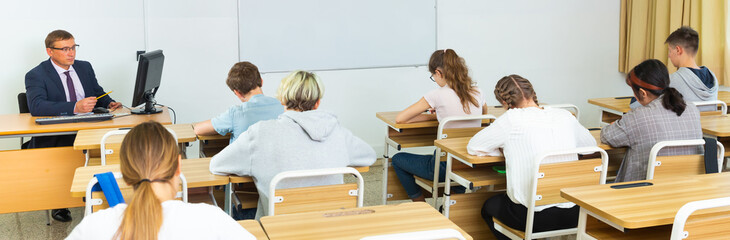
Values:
[(716, 125), (195, 170), (24, 123), (389, 118), (214, 137), (91, 139), (649, 206), (356, 223), (254, 227), (622, 105), (457, 147)]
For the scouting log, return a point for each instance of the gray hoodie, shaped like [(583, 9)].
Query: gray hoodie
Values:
[(692, 88), (294, 141)]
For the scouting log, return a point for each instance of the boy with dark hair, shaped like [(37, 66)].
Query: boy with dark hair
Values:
[(245, 81), (695, 83)]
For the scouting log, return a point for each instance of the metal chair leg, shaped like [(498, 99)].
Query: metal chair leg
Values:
[(48, 217)]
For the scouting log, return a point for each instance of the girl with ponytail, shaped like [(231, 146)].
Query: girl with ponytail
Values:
[(520, 134), (150, 162), (662, 116), (457, 95)]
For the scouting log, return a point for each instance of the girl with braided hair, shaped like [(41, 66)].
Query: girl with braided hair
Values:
[(524, 131), (150, 162), (457, 95)]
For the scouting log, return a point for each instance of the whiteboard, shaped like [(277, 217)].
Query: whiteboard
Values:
[(285, 35)]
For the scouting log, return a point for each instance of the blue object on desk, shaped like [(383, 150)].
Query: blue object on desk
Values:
[(108, 185)]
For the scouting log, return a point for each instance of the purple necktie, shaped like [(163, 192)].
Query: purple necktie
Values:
[(71, 89)]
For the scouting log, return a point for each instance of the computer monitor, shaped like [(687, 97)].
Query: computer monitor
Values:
[(149, 72)]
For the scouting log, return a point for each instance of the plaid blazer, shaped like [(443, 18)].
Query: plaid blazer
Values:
[(641, 128)]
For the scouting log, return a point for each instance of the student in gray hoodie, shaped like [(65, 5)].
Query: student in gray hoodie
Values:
[(301, 138), (695, 83)]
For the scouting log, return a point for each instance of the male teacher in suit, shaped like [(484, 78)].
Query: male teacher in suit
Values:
[(62, 86)]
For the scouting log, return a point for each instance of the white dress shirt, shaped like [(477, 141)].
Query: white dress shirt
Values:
[(80, 94)]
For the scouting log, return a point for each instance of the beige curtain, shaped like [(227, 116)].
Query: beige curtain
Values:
[(645, 24)]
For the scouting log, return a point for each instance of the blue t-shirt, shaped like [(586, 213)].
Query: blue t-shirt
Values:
[(238, 118), (705, 76)]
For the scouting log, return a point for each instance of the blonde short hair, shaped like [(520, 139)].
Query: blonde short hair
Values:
[(300, 91)]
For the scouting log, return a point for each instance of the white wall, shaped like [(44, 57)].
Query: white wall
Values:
[(567, 48)]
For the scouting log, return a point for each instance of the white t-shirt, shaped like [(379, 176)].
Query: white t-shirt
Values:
[(446, 103), (523, 134), (180, 221)]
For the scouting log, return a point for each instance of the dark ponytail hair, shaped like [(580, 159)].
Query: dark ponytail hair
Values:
[(654, 76)]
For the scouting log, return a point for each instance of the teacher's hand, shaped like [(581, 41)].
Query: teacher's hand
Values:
[(85, 105), (114, 105)]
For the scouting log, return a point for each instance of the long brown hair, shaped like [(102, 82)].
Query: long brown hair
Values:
[(513, 89), (454, 71), (148, 154)]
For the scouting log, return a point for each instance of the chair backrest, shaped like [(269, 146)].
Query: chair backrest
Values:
[(570, 107), (679, 165), (23, 103), (446, 233), (97, 198), (443, 132), (551, 177), (307, 199), (723, 107), (711, 226), (111, 153)]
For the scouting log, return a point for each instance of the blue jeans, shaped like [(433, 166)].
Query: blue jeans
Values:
[(406, 165)]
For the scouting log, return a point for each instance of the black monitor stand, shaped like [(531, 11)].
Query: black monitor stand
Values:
[(149, 107)]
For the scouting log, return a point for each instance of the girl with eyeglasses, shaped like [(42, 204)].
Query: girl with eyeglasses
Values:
[(457, 95)]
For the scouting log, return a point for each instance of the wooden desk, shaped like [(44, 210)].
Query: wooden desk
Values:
[(195, 170), (356, 223), (612, 108), (23, 125), (407, 135), (716, 125), (91, 139), (211, 145), (51, 167), (254, 227), (646, 206)]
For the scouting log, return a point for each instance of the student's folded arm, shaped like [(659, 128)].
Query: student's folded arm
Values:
[(616, 134), (223, 123), (204, 128), (235, 158), (489, 140), (414, 113), (360, 153)]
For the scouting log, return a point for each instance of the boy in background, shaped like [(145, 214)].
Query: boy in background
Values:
[(695, 83), (245, 81)]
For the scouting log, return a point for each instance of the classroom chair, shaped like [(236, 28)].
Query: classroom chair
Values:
[(685, 226), (446, 233), (569, 107), (307, 199), (549, 179), (114, 152), (443, 133), (23, 108), (714, 227), (679, 165), (723, 107), (96, 198)]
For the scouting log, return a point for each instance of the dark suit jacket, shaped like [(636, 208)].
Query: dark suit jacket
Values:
[(46, 96)]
